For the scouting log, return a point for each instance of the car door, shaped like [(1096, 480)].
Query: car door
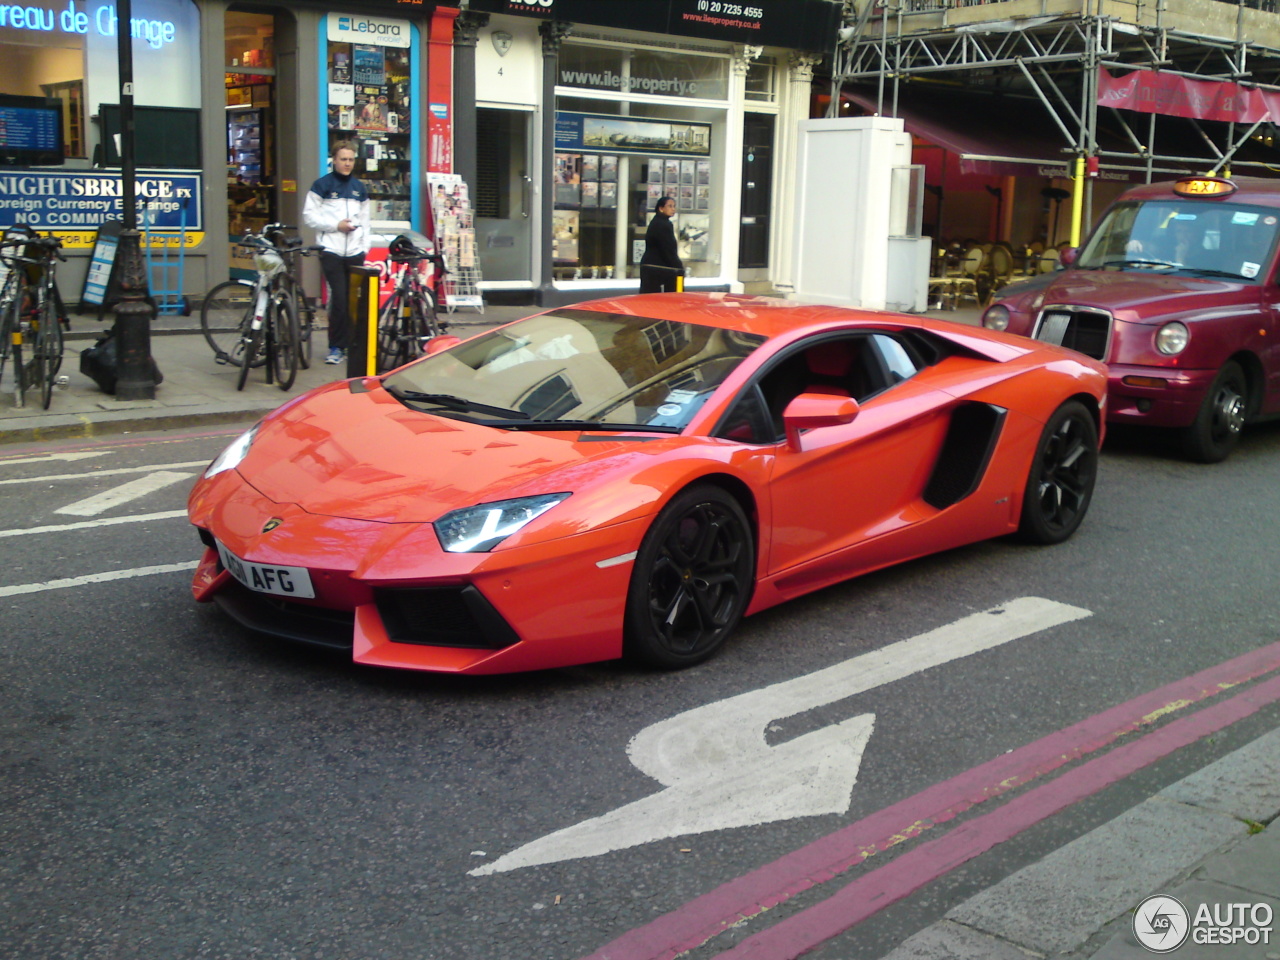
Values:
[(852, 482)]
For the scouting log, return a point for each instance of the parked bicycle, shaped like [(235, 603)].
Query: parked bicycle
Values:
[(254, 324), (409, 318), (31, 313), (228, 306), (292, 249)]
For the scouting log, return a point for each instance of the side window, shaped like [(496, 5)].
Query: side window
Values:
[(858, 366), (899, 363), (748, 420), (841, 366)]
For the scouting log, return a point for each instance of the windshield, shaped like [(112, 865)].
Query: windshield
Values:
[(1196, 238), (578, 369)]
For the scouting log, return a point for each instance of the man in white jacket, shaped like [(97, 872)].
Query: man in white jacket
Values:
[(337, 208)]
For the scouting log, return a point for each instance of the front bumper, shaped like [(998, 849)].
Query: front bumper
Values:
[(391, 596), (1174, 402)]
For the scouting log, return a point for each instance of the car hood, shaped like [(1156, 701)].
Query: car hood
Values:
[(1143, 297), (364, 455)]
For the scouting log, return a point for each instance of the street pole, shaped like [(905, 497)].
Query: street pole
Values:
[(134, 310)]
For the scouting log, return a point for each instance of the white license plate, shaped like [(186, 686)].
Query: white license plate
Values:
[(268, 578)]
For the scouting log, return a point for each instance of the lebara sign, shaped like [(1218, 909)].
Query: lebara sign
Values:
[(359, 28)]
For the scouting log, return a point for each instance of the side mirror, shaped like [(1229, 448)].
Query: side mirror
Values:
[(811, 410), (443, 342), (1069, 256)]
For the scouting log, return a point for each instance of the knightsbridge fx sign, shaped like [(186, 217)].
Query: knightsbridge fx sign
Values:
[(77, 202), (359, 28)]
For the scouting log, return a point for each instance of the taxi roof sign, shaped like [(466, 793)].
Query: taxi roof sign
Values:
[(1204, 187)]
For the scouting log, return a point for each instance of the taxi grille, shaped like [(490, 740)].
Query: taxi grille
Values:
[(1086, 331)]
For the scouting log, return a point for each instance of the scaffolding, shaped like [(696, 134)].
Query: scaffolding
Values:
[(1050, 52)]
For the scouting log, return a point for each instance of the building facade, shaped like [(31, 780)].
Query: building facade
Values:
[(566, 119)]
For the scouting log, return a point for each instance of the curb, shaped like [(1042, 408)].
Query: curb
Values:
[(74, 426), (1075, 903)]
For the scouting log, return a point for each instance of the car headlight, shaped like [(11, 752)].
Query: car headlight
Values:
[(1172, 338), (481, 528), (237, 451), (996, 317)]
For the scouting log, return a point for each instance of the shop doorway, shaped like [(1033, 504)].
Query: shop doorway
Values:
[(757, 190), (503, 194), (250, 68)]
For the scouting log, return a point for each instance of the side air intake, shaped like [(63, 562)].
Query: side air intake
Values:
[(971, 438)]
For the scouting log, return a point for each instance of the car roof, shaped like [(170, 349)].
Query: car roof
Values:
[(1262, 191), (767, 316)]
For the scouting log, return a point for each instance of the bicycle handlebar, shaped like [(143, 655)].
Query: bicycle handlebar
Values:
[(51, 244)]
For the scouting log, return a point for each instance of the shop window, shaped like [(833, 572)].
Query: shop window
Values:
[(370, 100), (66, 53), (250, 83), (614, 161), (71, 93), (760, 81)]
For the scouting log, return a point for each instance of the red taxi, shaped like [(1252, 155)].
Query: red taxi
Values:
[(1177, 292)]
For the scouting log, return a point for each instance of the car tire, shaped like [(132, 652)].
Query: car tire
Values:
[(1062, 476), (1217, 427), (692, 580)]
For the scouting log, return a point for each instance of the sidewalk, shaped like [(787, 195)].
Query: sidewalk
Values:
[(1198, 840), (196, 390)]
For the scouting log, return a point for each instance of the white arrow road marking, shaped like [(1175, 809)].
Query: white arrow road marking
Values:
[(126, 492), (95, 578), (720, 772), (100, 522), (113, 472), (51, 457)]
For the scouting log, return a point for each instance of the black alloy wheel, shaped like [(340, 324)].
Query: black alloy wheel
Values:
[(1063, 473), (1218, 425), (692, 580)]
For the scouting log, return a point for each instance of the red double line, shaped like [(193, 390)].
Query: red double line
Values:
[(822, 860)]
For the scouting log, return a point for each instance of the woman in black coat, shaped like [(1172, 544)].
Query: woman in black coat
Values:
[(661, 264)]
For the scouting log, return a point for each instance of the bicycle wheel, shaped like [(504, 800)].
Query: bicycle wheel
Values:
[(225, 317), (249, 350), (19, 372), (390, 332), (417, 327), (434, 325), (9, 306), (284, 328), (306, 327), (47, 352)]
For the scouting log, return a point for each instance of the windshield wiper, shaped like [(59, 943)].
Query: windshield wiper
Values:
[(450, 402), (1211, 272), (587, 425), (1140, 263)]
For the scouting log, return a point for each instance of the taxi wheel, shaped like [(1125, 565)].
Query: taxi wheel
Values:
[(1063, 473), (692, 580), (1217, 427)]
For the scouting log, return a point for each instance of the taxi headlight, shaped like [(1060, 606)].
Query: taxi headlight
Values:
[(996, 317), (1172, 338), (237, 451), (480, 528)]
